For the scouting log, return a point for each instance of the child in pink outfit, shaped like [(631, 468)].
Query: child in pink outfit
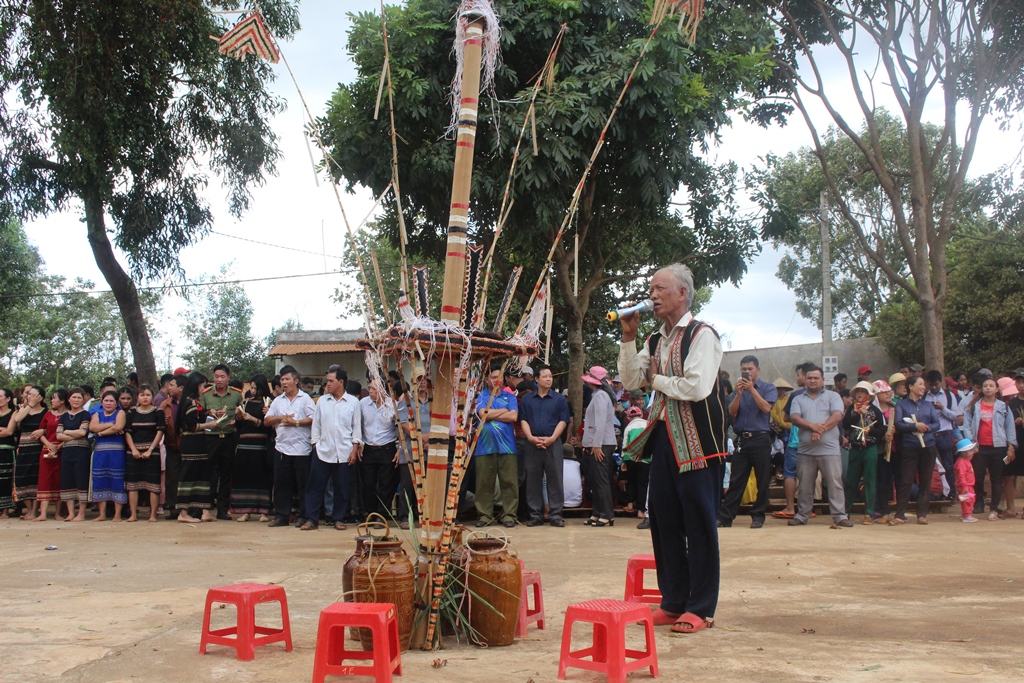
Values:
[(965, 479)]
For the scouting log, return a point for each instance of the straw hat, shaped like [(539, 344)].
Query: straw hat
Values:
[(897, 377), (782, 384)]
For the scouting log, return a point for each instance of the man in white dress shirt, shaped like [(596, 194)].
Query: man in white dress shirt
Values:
[(686, 439), (379, 452), (291, 415), (336, 434)]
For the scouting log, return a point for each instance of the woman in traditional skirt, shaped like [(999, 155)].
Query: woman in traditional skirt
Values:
[(194, 481), (7, 446), (28, 419), (50, 463), (143, 433), (252, 477), (73, 432), (108, 457)]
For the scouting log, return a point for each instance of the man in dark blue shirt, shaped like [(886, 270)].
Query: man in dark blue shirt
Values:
[(544, 416), (750, 408)]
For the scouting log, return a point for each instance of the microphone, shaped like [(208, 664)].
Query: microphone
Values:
[(645, 306)]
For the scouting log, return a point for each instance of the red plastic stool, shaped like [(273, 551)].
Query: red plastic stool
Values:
[(608, 652), (635, 591), (528, 615), (331, 653), (247, 635)]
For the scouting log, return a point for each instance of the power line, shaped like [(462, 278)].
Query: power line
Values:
[(275, 246), (189, 285)]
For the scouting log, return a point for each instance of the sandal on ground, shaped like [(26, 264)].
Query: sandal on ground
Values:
[(603, 522), (896, 521), (922, 520), (663, 618), (1008, 514), (867, 521), (782, 514), (993, 516), (242, 518), (691, 623)]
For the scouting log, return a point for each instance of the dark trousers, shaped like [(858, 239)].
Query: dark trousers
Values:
[(599, 481), (752, 454), (919, 461), (888, 480), (541, 462), (683, 509), (988, 459), (380, 478), (521, 445), (320, 473), (172, 474), (944, 445), (406, 494), (638, 474), (291, 472), (355, 491), (220, 450)]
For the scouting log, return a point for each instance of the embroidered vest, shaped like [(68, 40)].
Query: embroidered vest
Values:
[(696, 429)]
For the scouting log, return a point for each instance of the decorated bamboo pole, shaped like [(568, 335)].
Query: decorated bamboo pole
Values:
[(447, 378)]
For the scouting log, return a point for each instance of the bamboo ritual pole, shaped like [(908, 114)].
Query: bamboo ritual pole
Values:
[(447, 379)]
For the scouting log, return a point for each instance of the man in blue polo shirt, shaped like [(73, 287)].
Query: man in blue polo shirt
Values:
[(544, 416), (495, 456), (750, 410)]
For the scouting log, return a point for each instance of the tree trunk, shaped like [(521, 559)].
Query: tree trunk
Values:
[(931, 329), (125, 293), (573, 319)]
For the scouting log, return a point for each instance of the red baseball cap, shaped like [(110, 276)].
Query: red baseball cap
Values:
[(864, 370), (181, 371)]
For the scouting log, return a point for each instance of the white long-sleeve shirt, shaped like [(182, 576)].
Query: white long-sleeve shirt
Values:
[(337, 426), (700, 369)]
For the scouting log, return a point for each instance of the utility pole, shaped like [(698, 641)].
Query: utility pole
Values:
[(826, 281)]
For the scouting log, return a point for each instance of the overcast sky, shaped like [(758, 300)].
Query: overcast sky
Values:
[(291, 210)]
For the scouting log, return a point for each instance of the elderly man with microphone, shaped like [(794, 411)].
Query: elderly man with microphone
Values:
[(687, 443)]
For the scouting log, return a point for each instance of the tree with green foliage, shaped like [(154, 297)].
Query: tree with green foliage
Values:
[(53, 334), (789, 189), (958, 63), (627, 225), (219, 330), (984, 321), (115, 109)]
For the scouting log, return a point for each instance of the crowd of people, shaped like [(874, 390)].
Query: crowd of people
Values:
[(918, 436), (272, 450)]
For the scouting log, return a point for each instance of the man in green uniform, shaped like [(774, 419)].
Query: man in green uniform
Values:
[(220, 401)]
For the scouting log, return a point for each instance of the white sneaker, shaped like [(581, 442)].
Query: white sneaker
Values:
[(968, 519)]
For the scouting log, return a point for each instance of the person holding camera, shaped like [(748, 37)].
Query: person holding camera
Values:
[(750, 410)]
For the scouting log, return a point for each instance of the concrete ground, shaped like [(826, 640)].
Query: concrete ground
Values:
[(915, 603)]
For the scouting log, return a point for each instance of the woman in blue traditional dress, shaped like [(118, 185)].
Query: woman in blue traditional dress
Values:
[(108, 457)]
